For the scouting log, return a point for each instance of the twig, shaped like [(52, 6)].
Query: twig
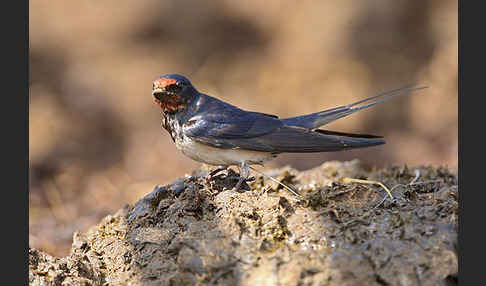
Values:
[(413, 182), (277, 181), (417, 175), (352, 180)]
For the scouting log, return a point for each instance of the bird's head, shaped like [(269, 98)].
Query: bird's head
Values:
[(173, 92)]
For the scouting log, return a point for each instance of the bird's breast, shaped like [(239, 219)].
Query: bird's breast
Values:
[(172, 126), (217, 156)]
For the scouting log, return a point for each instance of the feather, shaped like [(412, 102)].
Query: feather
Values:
[(314, 120)]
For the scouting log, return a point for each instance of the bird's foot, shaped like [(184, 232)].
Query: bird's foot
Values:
[(242, 186), (214, 172)]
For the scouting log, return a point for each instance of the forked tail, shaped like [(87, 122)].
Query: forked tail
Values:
[(315, 120)]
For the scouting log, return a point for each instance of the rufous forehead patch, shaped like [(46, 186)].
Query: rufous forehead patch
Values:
[(163, 82)]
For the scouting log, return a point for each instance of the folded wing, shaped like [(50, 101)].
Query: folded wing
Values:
[(275, 137)]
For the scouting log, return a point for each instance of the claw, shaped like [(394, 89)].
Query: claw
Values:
[(244, 173), (216, 171), (213, 173)]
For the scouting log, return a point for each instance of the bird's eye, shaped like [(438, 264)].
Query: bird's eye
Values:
[(175, 88), (180, 83)]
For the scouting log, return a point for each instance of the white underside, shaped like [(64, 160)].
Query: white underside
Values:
[(221, 157)]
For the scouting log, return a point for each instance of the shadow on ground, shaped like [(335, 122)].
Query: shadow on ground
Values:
[(195, 232)]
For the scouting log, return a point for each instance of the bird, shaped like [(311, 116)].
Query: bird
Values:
[(217, 133)]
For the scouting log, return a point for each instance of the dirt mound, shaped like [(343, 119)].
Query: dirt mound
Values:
[(197, 232)]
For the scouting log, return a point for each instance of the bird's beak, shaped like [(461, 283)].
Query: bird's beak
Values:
[(157, 90)]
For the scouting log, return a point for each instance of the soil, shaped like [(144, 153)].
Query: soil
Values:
[(200, 232)]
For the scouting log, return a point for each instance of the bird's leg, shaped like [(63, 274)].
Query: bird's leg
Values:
[(244, 173)]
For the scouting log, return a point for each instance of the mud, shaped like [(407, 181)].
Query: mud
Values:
[(199, 232)]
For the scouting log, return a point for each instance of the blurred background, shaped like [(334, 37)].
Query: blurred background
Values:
[(95, 138)]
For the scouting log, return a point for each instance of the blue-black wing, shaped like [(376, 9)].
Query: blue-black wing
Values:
[(222, 125), (225, 129), (284, 139)]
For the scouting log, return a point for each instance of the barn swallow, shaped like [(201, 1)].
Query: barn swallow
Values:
[(214, 132)]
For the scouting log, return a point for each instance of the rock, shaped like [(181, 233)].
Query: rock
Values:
[(189, 233)]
